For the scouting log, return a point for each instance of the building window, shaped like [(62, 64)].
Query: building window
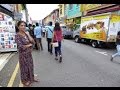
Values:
[(70, 6)]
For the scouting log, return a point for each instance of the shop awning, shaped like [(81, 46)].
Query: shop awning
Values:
[(110, 9), (3, 10)]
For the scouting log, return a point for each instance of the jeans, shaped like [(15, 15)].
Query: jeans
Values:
[(58, 49), (39, 43), (49, 40), (118, 51)]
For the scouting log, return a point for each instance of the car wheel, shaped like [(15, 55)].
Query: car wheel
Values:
[(94, 44), (76, 39)]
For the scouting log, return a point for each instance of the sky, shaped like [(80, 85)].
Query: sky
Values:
[(39, 11)]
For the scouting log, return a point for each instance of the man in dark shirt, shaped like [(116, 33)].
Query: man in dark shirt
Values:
[(31, 31), (118, 46)]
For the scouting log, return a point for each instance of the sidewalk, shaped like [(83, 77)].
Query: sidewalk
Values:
[(4, 58)]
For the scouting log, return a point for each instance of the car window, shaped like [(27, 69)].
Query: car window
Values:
[(76, 27), (63, 27)]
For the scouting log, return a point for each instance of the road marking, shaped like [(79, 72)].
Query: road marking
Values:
[(104, 53), (4, 59), (12, 79), (20, 85)]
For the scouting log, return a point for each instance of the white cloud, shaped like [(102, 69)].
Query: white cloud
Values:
[(39, 11)]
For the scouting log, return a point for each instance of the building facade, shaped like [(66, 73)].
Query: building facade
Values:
[(73, 14), (62, 14)]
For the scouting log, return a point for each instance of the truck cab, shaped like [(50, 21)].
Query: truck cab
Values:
[(76, 33)]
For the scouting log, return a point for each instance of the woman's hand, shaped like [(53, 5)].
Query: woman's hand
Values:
[(29, 45)]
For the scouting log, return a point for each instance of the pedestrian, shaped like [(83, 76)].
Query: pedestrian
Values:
[(57, 37), (31, 31), (49, 34), (38, 36), (25, 43), (35, 38), (118, 46), (43, 31)]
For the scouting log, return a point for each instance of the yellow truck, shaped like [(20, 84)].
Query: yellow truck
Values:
[(99, 30)]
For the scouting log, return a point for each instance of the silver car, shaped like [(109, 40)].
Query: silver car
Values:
[(67, 33)]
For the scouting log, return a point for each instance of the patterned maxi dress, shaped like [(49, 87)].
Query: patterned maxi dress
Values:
[(25, 59)]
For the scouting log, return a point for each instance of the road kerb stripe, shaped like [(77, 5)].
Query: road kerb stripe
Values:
[(12, 79)]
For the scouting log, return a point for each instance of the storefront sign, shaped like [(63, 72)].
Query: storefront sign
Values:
[(9, 7)]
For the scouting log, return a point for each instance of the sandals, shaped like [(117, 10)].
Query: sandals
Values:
[(27, 83), (35, 80), (60, 59), (56, 58)]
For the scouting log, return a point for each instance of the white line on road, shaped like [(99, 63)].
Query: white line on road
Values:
[(104, 53)]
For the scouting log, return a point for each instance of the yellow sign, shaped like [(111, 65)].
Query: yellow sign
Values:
[(95, 27), (86, 7), (115, 18), (99, 17)]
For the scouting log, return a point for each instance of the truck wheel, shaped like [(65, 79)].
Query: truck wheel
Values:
[(76, 39), (94, 44)]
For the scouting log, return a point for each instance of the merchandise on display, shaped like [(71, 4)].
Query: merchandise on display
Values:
[(7, 36)]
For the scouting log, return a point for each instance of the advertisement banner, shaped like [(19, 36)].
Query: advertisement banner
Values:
[(114, 27), (95, 27)]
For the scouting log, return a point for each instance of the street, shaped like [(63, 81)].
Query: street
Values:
[(82, 66)]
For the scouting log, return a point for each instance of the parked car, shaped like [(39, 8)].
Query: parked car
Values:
[(67, 33), (76, 33)]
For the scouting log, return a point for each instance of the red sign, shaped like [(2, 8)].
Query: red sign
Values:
[(1, 17)]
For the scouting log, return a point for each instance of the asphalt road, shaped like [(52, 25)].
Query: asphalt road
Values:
[(82, 66)]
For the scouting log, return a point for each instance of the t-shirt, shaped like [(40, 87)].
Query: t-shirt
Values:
[(57, 35), (31, 33), (49, 31), (37, 32), (118, 40)]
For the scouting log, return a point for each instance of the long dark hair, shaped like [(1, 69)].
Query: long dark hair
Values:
[(18, 24), (57, 27)]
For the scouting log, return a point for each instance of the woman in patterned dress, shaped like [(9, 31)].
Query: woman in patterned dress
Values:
[(25, 42)]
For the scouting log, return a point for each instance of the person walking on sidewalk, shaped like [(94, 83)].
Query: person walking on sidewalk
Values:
[(31, 31), (118, 47), (25, 42), (49, 34), (38, 36), (57, 37)]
